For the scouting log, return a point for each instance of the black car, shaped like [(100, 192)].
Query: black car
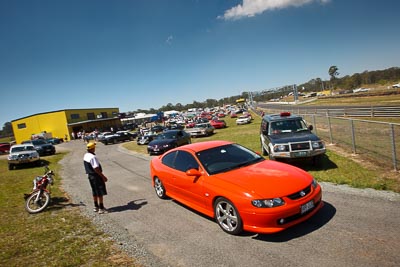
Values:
[(42, 146), (117, 137), (287, 136), (157, 128), (54, 140), (167, 140)]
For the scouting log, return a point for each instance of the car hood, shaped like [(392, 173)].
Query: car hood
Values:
[(293, 137), (268, 179), (160, 142)]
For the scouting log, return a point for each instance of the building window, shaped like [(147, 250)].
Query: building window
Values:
[(91, 116), (75, 116), (104, 115), (21, 126)]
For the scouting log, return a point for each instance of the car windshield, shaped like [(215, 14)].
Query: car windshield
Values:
[(39, 142), (228, 157), (22, 148), (287, 126), (201, 125), (167, 135)]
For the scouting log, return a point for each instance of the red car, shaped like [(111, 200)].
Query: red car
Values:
[(190, 124), (236, 186), (218, 124), (4, 148)]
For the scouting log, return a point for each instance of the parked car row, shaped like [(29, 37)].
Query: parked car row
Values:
[(42, 146), (28, 152)]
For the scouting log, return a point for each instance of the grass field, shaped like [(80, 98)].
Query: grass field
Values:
[(58, 236)]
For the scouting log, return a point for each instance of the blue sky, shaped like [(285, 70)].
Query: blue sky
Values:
[(142, 54)]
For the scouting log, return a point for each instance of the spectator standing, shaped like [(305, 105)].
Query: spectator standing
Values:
[(96, 178)]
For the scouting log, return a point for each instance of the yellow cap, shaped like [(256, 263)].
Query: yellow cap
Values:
[(91, 145)]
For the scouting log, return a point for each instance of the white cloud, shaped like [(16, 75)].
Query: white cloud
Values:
[(250, 8), (169, 40)]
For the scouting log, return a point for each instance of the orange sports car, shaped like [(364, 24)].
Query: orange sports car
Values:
[(236, 186)]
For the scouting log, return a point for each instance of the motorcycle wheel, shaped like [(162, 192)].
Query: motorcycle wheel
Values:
[(42, 203)]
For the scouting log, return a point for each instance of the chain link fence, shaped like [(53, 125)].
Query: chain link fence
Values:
[(377, 141)]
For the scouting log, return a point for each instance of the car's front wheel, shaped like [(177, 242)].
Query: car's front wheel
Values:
[(227, 216), (159, 188)]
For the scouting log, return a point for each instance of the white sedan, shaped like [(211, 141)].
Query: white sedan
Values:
[(243, 120)]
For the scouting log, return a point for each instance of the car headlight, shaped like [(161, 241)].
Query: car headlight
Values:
[(13, 157), (281, 148), (314, 183), (268, 203), (317, 144)]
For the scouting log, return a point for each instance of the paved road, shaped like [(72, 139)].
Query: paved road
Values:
[(355, 227)]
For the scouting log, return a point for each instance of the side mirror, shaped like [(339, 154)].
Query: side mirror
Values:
[(310, 127), (193, 172)]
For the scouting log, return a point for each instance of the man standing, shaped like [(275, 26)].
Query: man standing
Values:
[(96, 177)]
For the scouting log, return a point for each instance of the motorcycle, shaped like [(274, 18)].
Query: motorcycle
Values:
[(39, 198)]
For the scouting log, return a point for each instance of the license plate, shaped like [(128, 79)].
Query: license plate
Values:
[(306, 207), (300, 154)]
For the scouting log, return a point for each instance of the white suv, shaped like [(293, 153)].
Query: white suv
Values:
[(22, 155)]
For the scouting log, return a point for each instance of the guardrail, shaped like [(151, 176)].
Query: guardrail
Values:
[(378, 141), (373, 111)]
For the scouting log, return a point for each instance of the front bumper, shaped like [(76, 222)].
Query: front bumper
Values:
[(23, 160), (299, 154), (267, 221)]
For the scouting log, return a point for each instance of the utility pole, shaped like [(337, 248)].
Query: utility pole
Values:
[(295, 93)]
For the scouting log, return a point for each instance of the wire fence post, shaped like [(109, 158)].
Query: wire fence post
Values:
[(353, 137), (394, 157), (330, 130), (315, 124)]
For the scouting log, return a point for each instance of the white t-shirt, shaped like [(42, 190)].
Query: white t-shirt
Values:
[(89, 157)]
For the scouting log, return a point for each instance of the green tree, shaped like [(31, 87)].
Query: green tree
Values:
[(333, 72), (7, 130)]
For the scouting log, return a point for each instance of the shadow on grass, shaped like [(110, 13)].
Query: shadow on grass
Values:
[(322, 217), (308, 165), (57, 203)]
